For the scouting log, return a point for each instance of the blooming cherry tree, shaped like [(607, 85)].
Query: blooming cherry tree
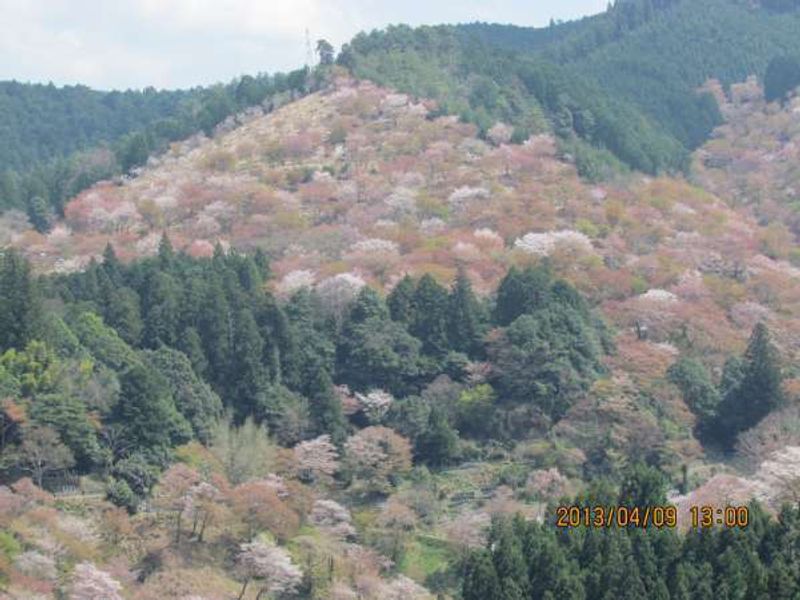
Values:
[(316, 459), (269, 564), (90, 583)]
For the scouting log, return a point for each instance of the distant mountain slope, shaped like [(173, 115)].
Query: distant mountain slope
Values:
[(42, 122), (55, 142), (753, 160), (483, 85), (624, 81)]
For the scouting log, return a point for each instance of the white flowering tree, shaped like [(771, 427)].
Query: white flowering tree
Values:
[(90, 583), (500, 134), (376, 453), (338, 292), (317, 459), (333, 518), (271, 566), (375, 404)]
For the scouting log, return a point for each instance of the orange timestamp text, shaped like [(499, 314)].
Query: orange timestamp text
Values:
[(605, 517)]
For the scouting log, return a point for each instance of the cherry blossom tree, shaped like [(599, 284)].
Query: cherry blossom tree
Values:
[(500, 134), (376, 453), (90, 583), (333, 518), (270, 565), (375, 404), (173, 492), (316, 460), (258, 505)]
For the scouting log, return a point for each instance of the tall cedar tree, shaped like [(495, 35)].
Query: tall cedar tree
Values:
[(401, 301), (147, 411), (522, 292), (759, 390), (429, 317), (247, 375), (325, 408), (20, 308), (215, 331), (161, 310), (466, 324)]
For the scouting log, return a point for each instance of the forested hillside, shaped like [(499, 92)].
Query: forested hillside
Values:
[(358, 332), (604, 80), (56, 142)]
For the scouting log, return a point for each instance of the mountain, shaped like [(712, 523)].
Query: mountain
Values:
[(59, 141), (358, 181), (391, 331), (624, 81)]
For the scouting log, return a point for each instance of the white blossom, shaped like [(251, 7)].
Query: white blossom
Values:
[(500, 134), (333, 518), (657, 295), (339, 291), (546, 483), (432, 226), (90, 583), (376, 245), (402, 199), (296, 280), (271, 564), (375, 404), (544, 244), (403, 588), (465, 194), (488, 235), (35, 564), (317, 457), (148, 245)]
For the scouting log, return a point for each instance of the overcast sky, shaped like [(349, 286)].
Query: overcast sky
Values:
[(181, 43)]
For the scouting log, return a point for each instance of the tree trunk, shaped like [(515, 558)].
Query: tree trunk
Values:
[(244, 589), (203, 528), (178, 528)]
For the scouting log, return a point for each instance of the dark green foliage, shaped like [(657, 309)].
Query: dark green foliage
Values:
[(66, 413), (160, 305), (430, 317), (20, 310), (284, 412), (247, 376), (307, 345), (147, 410), (193, 398), (698, 391), (119, 493), (39, 214), (521, 292), (752, 389), (643, 486), (550, 351), (180, 339), (437, 444), (651, 564), (480, 578), (375, 351), (132, 480), (325, 408), (781, 78), (466, 324), (102, 341), (137, 474), (401, 300)]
